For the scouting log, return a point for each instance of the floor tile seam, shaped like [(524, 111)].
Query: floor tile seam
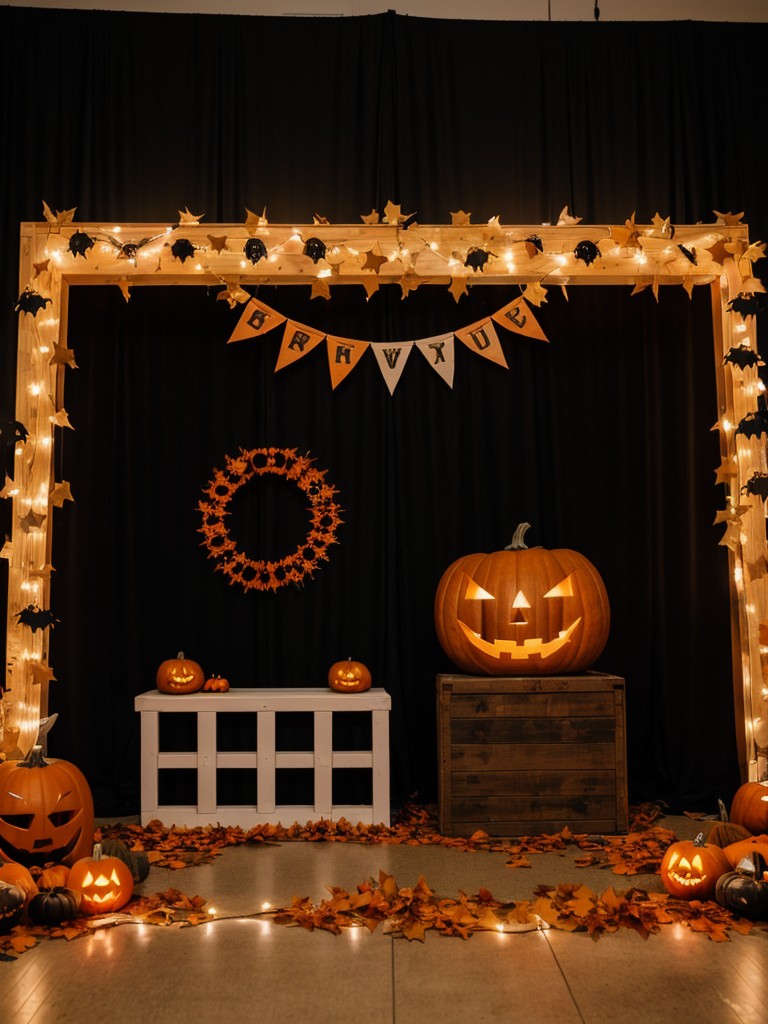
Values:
[(563, 976)]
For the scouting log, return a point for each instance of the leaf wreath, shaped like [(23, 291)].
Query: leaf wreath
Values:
[(260, 574)]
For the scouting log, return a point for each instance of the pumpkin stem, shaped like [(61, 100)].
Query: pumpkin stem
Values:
[(34, 758), (517, 543), (699, 840), (97, 851), (180, 656)]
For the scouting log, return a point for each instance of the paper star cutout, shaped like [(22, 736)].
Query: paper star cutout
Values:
[(755, 252), (218, 242), (6, 551), (730, 514), (40, 673), (535, 293), (318, 218), (44, 573), (494, 224), (40, 268), (254, 221), (625, 236), (718, 250), (124, 285), (725, 471), (32, 521), (661, 226), (10, 489), (61, 419), (62, 356), (409, 282), (392, 214), (565, 218), (757, 569), (732, 536), (61, 492), (233, 294), (370, 218), (60, 217), (728, 218), (373, 262), (320, 289), (189, 219), (460, 218), (458, 287), (371, 286)]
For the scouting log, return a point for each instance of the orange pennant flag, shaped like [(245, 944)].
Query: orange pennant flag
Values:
[(481, 337), (518, 316), (257, 319), (297, 341), (343, 356)]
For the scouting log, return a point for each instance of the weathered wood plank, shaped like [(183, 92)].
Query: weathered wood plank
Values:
[(572, 810), (536, 783), (533, 730), (510, 756), (532, 705)]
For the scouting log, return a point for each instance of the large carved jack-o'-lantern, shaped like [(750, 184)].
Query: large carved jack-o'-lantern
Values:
[(690, 869), (46, 811), (522, 611)]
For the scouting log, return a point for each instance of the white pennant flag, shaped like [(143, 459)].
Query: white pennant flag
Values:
[(438, 351), (391, 360)]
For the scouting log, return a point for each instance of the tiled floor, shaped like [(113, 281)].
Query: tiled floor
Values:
[(243, 970)]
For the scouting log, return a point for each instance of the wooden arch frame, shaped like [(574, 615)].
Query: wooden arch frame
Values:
[(57, 254)]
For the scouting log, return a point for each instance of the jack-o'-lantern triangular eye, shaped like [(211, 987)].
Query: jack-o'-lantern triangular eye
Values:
[(562, 589), (475, 592)]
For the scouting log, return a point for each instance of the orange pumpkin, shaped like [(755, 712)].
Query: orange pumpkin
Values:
[(216, 685), (46, 811), (16, 874), (750, 807), (522, 611), (180, 675), (105, 884), (349, 676), (755, 846), (690, 869), (54, 877)]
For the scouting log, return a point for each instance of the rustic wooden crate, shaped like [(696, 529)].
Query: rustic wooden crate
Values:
[(525, 755)]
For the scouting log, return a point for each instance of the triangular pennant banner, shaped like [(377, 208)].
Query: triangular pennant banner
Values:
[(343, 356), (297, 341), (439, 353), (518, 316), (391, 360), (256, 319), (481, 337)]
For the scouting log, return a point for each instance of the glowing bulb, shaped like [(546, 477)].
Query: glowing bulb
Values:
[(43, 350), (324, 273), (35, 389), (740, 328), (562, 259), (738, 574), (198, 266), (641, 258), (727, 425), (265, 906), (434, 246), (243, 264), (116, 229)]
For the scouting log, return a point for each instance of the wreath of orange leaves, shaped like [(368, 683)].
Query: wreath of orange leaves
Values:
[(262, 574)]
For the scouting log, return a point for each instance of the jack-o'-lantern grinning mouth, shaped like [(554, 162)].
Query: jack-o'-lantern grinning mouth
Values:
[(38, 858), (515, 649)]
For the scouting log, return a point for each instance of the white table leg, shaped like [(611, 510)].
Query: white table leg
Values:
[(324, 764)]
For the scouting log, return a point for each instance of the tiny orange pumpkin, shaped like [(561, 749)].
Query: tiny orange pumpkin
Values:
[(216, 685), (349, 677)]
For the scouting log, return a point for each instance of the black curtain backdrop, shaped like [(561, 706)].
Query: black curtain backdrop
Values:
[(601, 439)]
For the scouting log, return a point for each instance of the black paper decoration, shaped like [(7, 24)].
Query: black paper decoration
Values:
[(182, 249), (255, 250), (536, 242), (757, 484), (31, 301), (476, 258), (745, 304), (742, 356), (754, 423), (36, 618), (80, 243), (587, 251), (15, 432), (690, 254), (315, 249)]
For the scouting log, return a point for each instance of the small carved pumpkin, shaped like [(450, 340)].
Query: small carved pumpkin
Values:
[(216, 685), (743, 895), (11, 905), (750, 807), (349, 677), (105, 884), (690, 869), (16, 874), (52, 906), (180, 675), (46, 811), (522, 611)]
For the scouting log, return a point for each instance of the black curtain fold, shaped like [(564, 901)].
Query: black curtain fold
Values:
[(601, 438)]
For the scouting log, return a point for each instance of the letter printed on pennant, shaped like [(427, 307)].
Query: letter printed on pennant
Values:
[(257, 319), (297, 341), (343, 356), (392, 360), (518, 316), (439, 353), (481, 337)]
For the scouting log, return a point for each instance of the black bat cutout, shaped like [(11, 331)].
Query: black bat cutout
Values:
[(587, 251), (80, 243), (754, 424), (745, 304), (37, 618), (476, 258), (757, 484), (129, 250), (315, 249), (742, 356), (536, 241), (16, 432), (690, 254), (31, 301), (255, 250), (182, 249)]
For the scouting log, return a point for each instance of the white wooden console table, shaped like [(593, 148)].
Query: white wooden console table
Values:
[(264, 758)]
